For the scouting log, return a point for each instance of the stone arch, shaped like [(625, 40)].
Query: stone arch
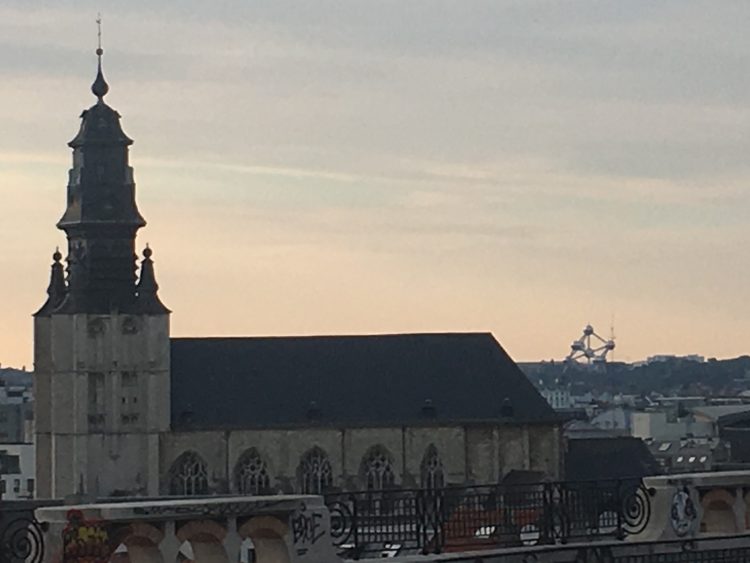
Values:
[(314, 473), (376, 469), (140, 544), (431, 469), (718, 512), (204, 540), (251, 474), (268, 536), (188, 475)]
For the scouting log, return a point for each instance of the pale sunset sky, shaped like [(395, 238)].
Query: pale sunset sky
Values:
[(316, 167)]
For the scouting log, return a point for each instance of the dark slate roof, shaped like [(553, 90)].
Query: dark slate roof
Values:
[(348, 381), (608, 458)]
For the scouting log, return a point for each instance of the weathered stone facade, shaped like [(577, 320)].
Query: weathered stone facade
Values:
[(467, 455), (102, 401)]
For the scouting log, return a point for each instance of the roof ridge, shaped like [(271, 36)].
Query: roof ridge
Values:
[(321, 336)]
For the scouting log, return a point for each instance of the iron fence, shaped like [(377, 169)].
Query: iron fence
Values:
[(728, 555), (464, 518)]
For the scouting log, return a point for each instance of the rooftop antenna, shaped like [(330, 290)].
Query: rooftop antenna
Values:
[(612, 334)]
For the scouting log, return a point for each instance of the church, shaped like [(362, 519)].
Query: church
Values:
[(121, 408)]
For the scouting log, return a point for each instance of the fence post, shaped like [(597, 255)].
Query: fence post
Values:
[(355, 526)]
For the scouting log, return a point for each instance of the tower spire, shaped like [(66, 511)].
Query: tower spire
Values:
[(101, 216), (100, 86)]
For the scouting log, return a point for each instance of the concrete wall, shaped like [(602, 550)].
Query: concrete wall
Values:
[(281, 529)]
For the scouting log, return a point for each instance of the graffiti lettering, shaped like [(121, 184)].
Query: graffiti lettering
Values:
[(307, 527)]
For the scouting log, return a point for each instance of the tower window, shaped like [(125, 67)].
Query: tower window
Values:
[(129, 382), (96, 401)]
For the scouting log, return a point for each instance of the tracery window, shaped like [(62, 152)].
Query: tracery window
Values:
[(251, 474), (377, 469), (188, 475), (315, 474), (432, 469)]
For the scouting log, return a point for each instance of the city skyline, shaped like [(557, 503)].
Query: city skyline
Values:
[(335, 168)]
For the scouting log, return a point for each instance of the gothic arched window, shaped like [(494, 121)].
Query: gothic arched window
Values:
[(188, 475), (251, 474), (315, 474), (432, 469), (377, 469)]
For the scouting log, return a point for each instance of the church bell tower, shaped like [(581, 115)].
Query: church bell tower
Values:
[(101, 340)]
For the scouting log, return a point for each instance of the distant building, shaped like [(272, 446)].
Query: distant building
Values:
[(594, 453), (661, 425), (17, 469), (690, 455), (670, 358), (16, 421), (617, 419), (558, 398)]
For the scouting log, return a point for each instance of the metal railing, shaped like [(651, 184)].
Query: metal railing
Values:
[(466, 518)]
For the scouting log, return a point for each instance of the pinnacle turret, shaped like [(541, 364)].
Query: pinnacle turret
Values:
[(147, 301), (57, 289)]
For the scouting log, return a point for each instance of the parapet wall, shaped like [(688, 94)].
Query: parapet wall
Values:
[(273, 529), (697, 505)]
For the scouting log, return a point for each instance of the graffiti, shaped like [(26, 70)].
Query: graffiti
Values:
[(84, 541), (682, 513), (307, 527)]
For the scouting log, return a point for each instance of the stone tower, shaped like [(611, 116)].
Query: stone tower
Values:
[(101, 340)]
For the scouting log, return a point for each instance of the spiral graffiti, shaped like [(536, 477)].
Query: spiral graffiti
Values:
[(636, 509), (342, 522), (22, 540)]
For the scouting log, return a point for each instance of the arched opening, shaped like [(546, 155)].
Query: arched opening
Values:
[(376, 469), (718, 517), (188, 475), (718, 513), (202, 542), (266, 535), (314, 472), (431, 469), (140, 544), (251, 474)]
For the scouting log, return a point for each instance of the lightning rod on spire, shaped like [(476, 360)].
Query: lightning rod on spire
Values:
[(99, 49)]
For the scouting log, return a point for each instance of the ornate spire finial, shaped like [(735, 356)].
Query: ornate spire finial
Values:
[(100, 86)]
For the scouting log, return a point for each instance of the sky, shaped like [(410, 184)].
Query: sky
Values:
[(323, 167)]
